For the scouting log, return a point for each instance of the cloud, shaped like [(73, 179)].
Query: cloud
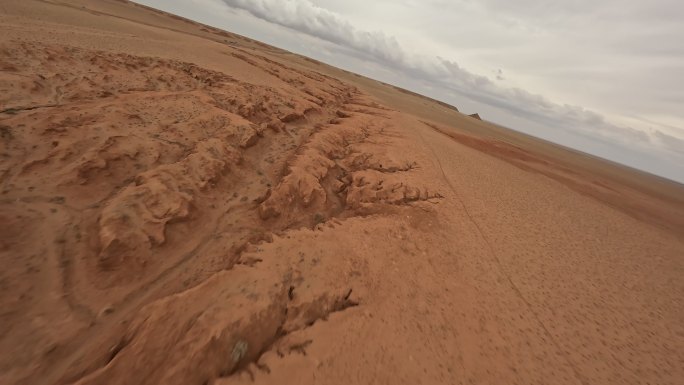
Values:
[(673, 143), (308, 18)]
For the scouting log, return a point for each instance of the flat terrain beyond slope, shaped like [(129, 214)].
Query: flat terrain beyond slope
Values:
[(182, 205)]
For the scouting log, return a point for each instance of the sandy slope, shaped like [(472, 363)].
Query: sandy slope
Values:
[(181, 205)]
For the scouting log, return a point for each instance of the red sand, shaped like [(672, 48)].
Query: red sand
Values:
[(181, 205)]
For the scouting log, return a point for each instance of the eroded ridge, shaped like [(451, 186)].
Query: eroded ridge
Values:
[(128, 168), (345, 167), (159, 175), (237, 318), (218, 327)]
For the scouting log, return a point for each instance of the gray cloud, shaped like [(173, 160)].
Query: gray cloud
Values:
[(306, 17), (673, 143)]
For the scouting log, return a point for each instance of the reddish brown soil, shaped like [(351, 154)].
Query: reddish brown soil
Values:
[(182, 205)]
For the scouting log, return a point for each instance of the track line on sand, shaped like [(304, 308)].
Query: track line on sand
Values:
[(498, 261)]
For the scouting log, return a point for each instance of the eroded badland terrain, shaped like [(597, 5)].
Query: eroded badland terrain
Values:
[(182, 205)]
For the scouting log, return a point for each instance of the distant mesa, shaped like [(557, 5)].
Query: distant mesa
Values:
[(476, 116)]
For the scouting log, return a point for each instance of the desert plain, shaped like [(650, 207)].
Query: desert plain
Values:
[(184, 205)]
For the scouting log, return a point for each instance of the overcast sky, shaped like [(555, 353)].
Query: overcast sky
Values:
[(605, 77)]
